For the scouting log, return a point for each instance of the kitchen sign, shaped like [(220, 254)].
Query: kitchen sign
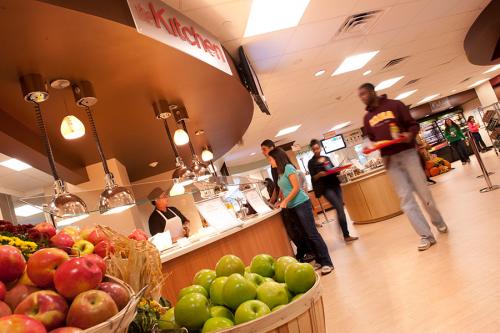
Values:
[(156, 20)]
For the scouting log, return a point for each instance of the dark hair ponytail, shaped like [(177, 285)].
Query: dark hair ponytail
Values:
[(281, 159)]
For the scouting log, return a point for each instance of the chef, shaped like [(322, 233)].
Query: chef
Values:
[(165, 218)]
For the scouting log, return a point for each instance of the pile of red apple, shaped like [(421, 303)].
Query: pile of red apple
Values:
[(53, 292), (233, 294)]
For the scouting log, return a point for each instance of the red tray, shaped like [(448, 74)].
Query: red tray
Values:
[(338, 169), (382, 145)]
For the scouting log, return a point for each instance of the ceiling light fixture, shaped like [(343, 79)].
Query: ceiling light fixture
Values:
[(252, 154), (354, 62), (477, 83), (453, 90), (319, 73), (72, 128), (206, 154), (15, 164), (388, 83), (27, 210), (367, 72), (272, 15), (288, 130), (341, 125), (114, 199), (63, 205), (492, 69), (406, 94), (428, 98)]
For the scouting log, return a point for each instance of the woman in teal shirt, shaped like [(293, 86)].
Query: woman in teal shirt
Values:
[(295, 198), (456, 138)]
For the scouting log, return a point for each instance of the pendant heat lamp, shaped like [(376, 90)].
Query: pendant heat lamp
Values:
[(182, 174), (71, 127), (65, 207), (198, 167), (114, 198)]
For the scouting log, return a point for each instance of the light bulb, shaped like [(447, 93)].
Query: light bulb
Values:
[(72, 128), (177, 189), (207, 155), (181, 137)]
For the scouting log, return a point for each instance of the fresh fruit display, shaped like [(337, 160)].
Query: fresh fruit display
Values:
[(117, 293), (192, 311), (263, 264), (238, 290), (46, 306), (228, 265), (250, 310), (12, 263), (273, 294), (216, 324), (20, 324), (216, 290), (42, 266), (90, 308), (281, 266), (192, 289), (76, 276), (300, 277), (204, 278), (436, 166)]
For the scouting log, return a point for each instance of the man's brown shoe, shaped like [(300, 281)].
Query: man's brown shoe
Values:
[(350, 239)]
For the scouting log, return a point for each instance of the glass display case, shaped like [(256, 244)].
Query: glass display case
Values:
[(433, 127)]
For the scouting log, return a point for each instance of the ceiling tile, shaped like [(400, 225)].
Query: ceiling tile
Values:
[(398, 16), (319, 10), (314, 34), (269, 45), (187, 5)]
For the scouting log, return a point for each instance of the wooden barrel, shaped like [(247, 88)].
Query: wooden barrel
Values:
[(305, 315)]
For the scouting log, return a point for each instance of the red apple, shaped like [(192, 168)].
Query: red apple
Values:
[(43, 264), (138, 235), (46, 229), (20, 324), (62, 240), (46, 306), (98, 261), (91, 308), (76, 276), (12, 263), (85, 232), (96, 236), (4, 309), (66, 330), (104, 248), (19, 292), (25, 279), (118, 293), (3, 291)]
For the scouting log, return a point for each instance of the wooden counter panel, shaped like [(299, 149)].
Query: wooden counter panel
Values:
[(268, 236), (355, 202), (380, 196)]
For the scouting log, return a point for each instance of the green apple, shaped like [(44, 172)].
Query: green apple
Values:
[(229, 264), (263, 264), (238, 290), (300, 277), (254, 278), (216, 289), (221, 311), (273, 294), (250, 310), (247, 269), (279, 307), (280, 267), (267, 279), (167, 320), (192, 311), (204, 278), (192, 289), (216, 325), (296, 297)]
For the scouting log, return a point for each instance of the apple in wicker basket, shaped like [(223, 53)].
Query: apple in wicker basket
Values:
[(4, 309), (20, 324), (99, 261), (117, 292), (17, 293), (91, 308), (104, 248), (66, 330), (43, 264), (45, 228), (76, 276), (46, 306), (62, 240), (12, 263), (96, 236)]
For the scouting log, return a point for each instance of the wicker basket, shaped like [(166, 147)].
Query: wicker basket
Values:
[(305, 315), (119, 323)]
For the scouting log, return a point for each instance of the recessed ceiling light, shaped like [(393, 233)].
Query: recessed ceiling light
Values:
[(26, 210), (492, 69), (252, 154), (406, 94), (388, 83), (428, 98), (367, 72), (319, 73), (15, 164), (478, 83), (288, 130), (453, 90), (355, 62), (341, 125), (272, 15), (153, 164)]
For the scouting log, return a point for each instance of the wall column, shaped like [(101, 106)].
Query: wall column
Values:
[(486, 94)]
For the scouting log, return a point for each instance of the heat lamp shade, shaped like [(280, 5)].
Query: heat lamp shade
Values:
[(115, 199), (177, 189), (68, 206), (207, 155), (72, 128), (181, 137)]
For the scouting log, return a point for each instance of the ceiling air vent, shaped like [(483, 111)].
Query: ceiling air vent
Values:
[(412, 82), (394, 62), (464, 80), (358, 24)]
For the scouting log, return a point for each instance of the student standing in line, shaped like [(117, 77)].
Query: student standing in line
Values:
[(474, 129), (401, 160), (328, 185), (292, 227), (294, 198), (456, 138)]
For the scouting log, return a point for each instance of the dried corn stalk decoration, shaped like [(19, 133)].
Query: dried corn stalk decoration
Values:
[(137, 263)]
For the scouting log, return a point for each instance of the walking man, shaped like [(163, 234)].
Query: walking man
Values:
[(383, 117)]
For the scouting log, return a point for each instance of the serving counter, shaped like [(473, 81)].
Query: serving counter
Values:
[(371, 197), (261, 234)]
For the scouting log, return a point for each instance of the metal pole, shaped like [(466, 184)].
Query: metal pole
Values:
[(324, 212), (490, 186)]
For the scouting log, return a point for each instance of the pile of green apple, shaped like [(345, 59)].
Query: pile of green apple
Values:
[(233, 294)]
